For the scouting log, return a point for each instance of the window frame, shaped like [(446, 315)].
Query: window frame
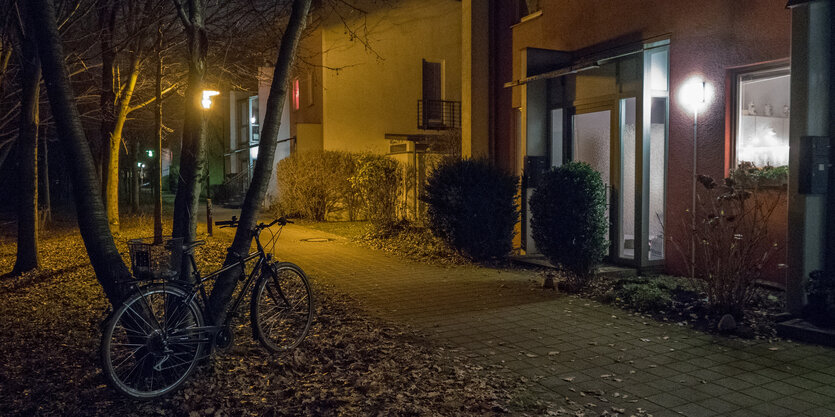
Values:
[(735, 76)]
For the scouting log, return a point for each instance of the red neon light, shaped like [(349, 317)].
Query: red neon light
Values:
[(296, 94)]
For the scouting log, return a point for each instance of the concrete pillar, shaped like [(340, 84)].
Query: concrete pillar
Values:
[(810, 71), (475, 78)]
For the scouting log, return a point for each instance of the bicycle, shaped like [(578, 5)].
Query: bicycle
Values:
[(152, 342)]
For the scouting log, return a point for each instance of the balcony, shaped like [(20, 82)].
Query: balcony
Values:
[(438, 114)]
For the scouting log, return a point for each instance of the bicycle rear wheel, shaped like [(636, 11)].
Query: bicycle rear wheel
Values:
[(150, 344), (281, 308)]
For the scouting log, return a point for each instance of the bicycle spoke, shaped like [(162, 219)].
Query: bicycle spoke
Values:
[(145, 360), (151, 328), (150, 312)]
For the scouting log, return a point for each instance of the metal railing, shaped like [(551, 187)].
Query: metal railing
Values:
[(438, 114)]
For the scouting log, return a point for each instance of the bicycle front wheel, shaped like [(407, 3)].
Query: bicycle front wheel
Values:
[(150, 344), (281, 309)]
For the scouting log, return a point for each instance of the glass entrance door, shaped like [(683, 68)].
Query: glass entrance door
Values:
[(606, 140), (626, 206), (592, 144)]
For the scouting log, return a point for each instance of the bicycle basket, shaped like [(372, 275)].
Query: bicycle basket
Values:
[(151, 260)]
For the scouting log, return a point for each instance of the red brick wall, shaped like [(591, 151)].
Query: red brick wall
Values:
[(707, 38)]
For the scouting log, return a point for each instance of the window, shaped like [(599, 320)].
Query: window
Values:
[(762, 117), (243, 121), (248, 121), (254, 125)]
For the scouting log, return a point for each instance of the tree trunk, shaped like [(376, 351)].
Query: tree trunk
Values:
[(45, 198), (115, 146), (107, 100), (5, 56), (135, 180), (193, 149), (92, 220), (225, 284), (27, 155), (158, 143)]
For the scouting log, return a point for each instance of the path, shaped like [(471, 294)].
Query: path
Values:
[(567, 347)]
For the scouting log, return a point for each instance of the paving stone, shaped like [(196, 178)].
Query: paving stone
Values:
[(499, 318), (771, 410)]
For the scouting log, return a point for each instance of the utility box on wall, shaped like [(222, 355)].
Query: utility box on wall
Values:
[(815, 164), (535, 166)]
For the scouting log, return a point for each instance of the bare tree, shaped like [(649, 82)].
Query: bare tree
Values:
[(224, 286), (192, 153), (137, 19), (27, 149), (92, 220)]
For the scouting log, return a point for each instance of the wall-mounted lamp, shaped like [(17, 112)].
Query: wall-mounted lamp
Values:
[(207, 98), (695, 95)]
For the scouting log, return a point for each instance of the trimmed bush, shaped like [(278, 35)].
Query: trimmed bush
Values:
[(376, 181), (471, 204), (568, 219)]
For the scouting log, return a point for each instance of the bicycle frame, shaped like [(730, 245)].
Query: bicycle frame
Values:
[(198, 287)]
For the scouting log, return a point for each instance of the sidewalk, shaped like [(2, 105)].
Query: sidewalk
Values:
[(573, 351)]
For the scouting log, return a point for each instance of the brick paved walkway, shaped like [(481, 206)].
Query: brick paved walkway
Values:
[(569, 348)]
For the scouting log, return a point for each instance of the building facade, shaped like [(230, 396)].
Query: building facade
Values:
[(651, 93)]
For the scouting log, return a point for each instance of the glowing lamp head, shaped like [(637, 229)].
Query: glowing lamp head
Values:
[(695, 94), (207, 98)]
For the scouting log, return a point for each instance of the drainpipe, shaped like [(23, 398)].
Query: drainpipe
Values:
[(830, 196), (810, 106)]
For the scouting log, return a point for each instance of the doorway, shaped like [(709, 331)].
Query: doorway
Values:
[(603, 136)]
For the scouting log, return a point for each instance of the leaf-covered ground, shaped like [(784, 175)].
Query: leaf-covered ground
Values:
[(349, 365)]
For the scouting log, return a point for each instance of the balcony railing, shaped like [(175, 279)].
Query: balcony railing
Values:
[(438, 114)]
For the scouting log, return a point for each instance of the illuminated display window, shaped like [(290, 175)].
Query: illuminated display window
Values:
[(762, 125)]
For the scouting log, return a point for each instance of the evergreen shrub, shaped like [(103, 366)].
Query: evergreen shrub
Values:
[(568, 220), (471, 205)]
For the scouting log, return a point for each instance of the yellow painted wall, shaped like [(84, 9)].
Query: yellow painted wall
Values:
[(308, 137), (376, 91)]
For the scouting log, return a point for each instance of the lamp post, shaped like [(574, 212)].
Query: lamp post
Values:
[(207, 104), (694, 96)]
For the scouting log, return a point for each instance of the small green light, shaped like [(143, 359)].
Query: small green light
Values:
[(150, 153)]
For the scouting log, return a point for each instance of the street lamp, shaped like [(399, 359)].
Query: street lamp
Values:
[(207, 98), (695, 95)]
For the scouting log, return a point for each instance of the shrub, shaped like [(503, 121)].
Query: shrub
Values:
[(748, 175), (472, 206), (568, 220), (730, 232), (313, 184), (377, 181), (650, 295), (411, 240)]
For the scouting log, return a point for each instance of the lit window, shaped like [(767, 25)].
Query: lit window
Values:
[(296, 94), (762, 124)]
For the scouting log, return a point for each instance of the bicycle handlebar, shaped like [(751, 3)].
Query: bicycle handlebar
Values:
[(234, 223)]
